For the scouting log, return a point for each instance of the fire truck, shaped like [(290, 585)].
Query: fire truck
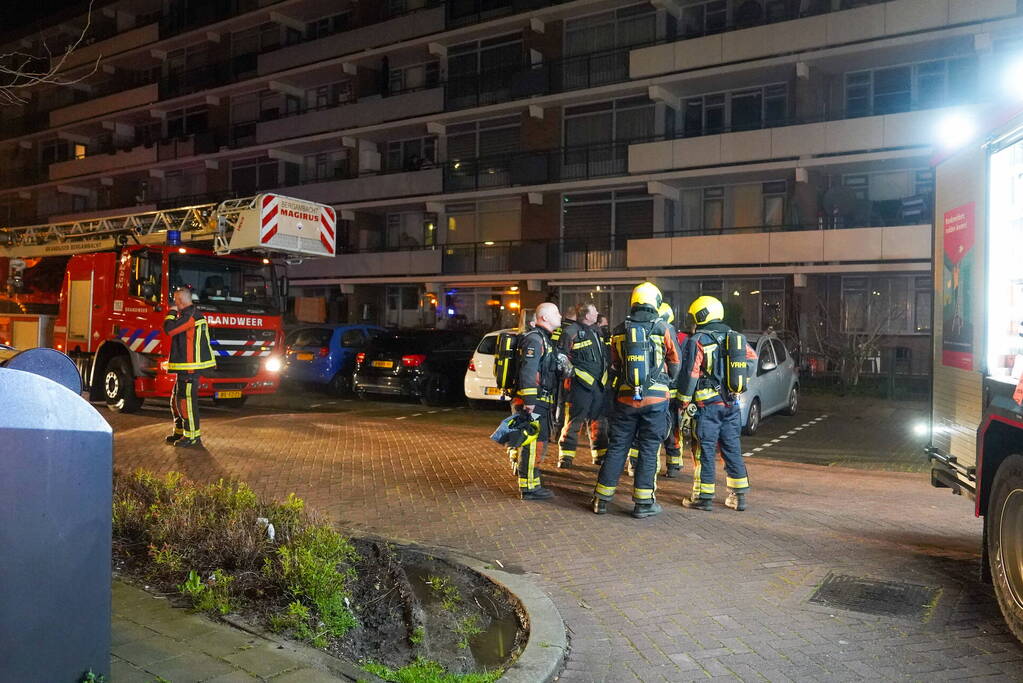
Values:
[(976, 426), (108, 283)]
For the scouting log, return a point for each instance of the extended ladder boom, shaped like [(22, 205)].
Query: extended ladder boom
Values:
[(265, 222)]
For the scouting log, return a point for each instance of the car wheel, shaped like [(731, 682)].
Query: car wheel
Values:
[(231, 402), (793, 405), (435, 391), (752, 419), (340, 384), (1005, 541), (119, 386), (361, 394)]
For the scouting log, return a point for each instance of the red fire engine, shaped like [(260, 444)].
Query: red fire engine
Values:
[(108, 304)]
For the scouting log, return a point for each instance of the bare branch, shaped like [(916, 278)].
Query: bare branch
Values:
[(18, 75)]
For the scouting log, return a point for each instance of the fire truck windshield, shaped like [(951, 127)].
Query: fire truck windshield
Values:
[(225, 284)]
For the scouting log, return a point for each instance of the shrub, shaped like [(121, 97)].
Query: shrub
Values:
[(175, 532)]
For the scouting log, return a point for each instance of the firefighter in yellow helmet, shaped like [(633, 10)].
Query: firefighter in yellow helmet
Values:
[(644, 362), (705, 382)]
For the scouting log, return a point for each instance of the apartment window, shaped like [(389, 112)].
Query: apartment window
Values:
[(326, 166), (625, 27), (251, 175), (53, 151), (621, 120), (79, 150), (898, 304), (329, 95), (492, 137), (596, 221), (774, 203), (183, 122), (325, 26), (705, 18), (492, 221), (742, 110), (411, 155), (469, 59), (414, 77), (910, 86), (410, 230), (713, 209), (750, 304)]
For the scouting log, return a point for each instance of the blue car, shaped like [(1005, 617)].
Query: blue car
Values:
[(325, 354)]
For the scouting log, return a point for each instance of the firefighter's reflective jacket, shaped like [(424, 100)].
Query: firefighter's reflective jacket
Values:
[(538, 368), (587, 352), (703, 377), (190, 341)]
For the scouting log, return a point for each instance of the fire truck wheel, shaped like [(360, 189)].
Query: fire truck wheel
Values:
[(119, 386), (1005, 541)]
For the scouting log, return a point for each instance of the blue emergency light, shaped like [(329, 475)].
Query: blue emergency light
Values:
[(174, 238)]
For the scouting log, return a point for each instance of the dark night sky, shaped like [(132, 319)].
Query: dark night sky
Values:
[(16, 16)]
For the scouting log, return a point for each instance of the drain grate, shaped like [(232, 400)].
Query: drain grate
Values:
[(869, 596)]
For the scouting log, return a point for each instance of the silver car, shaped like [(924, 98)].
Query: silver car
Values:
[(773, 384)]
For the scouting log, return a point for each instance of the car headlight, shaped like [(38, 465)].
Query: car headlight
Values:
[(273, 364)]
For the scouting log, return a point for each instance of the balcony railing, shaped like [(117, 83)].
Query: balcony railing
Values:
[(537, 168), (532, 256), (185, 16), (468, 12)]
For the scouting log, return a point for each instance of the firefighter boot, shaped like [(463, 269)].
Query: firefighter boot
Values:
[(539, 493), (188, 443), (736, 500), (705, 504), (673, 471), (565, 463), (599, 506), (643, 510), (174, 438)]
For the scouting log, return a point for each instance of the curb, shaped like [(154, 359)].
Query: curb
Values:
[(544, 655)]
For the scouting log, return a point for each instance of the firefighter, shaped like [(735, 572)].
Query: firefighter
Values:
[(672, 449), (702, 382), (537, 384), (584, 390), (644, 362), (190, 354)]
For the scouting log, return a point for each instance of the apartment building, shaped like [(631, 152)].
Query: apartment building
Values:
[(484, 155)]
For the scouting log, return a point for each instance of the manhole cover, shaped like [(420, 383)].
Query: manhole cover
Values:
[(885, 598)]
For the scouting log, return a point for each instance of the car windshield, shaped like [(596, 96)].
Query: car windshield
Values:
[(223, 284), (310, 336)]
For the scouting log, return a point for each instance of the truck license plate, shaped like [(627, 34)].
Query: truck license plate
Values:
[(383, 364), (227, 394), (492, 391), (305, 356)]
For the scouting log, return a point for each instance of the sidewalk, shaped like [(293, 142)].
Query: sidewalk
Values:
[(152, 641)]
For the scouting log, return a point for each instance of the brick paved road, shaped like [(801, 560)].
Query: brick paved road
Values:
[(682, 596)]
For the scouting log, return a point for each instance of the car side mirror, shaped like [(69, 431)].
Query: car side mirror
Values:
[(766, 367)]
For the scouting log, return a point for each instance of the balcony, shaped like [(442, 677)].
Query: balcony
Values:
[(789, 31), (140, 96), (104, 47), (370, 264), (560, 75), (183, 16), (370, 187), (754, 247), (367, 111), (870, 133), (532, 256), (103, 163), (404, 27), (537, 168), (208, 76)]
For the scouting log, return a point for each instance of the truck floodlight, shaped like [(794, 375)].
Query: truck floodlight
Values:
[(954, 130)]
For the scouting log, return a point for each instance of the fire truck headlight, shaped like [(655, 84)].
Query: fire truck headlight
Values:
[(273, 364)]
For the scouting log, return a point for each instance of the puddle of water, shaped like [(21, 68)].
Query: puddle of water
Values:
[(418, 577), (492, 647)]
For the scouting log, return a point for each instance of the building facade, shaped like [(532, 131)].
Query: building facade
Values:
[(486, 155)]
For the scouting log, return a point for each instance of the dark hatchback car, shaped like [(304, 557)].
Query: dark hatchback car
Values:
[(424, 364)]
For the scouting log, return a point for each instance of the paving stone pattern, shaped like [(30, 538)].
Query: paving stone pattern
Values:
[(686, 595)]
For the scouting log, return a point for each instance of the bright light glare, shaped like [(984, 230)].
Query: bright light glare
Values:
[(1012, 78), (920, 429), (954, 131), (273, 364)]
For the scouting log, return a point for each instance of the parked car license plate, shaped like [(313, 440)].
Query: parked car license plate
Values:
[(304, 356), (227, 394), (383, 364), (492, 391)]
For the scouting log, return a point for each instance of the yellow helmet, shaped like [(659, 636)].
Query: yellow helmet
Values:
[(664, 310), (646, 294), (706, 309)]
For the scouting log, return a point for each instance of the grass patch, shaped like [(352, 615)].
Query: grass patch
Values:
[(466, 629), (446, 591), (212, 544), (426, 671)]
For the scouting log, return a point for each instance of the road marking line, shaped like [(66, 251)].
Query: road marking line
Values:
[(431, 412), (757, 450), (747, 454), (416, 414), (775, 440), (791, 432), (447, 410), (784, 436), (400, 418)]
